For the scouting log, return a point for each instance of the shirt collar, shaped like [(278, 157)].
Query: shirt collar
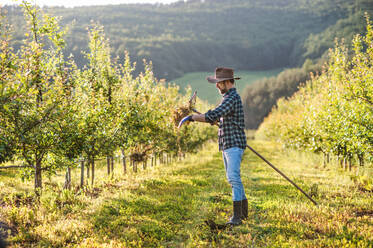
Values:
[(229, 91)]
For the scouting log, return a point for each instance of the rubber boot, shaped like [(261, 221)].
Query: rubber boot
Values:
[(244, 209), (237, 214)]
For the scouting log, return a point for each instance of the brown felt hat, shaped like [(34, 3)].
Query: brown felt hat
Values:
[(221, 74)]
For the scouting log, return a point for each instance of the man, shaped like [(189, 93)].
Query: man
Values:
[(232, 139)]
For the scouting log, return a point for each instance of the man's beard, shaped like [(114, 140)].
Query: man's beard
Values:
[(223, 91)]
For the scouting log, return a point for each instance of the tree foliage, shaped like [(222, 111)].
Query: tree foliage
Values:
[(53, 113), (333, 112), (245, 35)]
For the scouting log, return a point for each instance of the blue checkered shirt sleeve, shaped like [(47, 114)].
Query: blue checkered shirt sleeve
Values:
[(224, 108)]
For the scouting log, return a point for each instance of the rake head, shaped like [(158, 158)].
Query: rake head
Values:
[(181, 112)]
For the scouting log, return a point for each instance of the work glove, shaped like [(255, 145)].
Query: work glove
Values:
[(185, 119)]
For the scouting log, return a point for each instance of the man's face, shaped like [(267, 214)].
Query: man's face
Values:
[(222, 87)]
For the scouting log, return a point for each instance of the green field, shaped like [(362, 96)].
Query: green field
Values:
[(168, 206), (207, 91)]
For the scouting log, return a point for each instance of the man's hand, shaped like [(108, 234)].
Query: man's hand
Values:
[(185, 119)]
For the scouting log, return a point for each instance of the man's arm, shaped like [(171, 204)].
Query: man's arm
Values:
[(214, 115), (211, 116), (225, 107), (199, 118)]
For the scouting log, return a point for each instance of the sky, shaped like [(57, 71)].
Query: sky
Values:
[(74, 3)]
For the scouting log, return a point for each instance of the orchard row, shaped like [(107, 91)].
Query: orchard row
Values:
[(333, 112), (53, 114)]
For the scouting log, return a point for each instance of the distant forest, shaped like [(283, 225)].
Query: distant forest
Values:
[(198, 35)]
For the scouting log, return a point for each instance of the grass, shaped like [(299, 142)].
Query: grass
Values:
[(207, 91), (167, 206)]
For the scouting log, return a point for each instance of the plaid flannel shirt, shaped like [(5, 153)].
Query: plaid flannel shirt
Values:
[(231, 121)]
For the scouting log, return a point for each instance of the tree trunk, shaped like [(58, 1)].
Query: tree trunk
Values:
[(124, 162), (88, 165), (92, 171), (361, 159), (345, 163), (67, 184), (134, 166), (38, 178), (82, 173), (108, 164), (112, 164), (350, 163), (340, 162), (144, 164)]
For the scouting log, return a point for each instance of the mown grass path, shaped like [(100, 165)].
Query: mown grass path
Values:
[(167, 206), (171, 210)]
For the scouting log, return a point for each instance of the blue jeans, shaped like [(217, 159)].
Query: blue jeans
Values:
[(232, 161)]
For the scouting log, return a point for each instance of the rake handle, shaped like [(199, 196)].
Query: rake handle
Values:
[(273, 167), (282, 174)]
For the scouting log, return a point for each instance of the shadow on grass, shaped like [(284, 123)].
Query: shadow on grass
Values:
[(150, 216), (167, 210)]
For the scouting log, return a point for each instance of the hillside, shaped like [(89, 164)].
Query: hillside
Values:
[(197, 36), (206, 91), (194, 36)]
